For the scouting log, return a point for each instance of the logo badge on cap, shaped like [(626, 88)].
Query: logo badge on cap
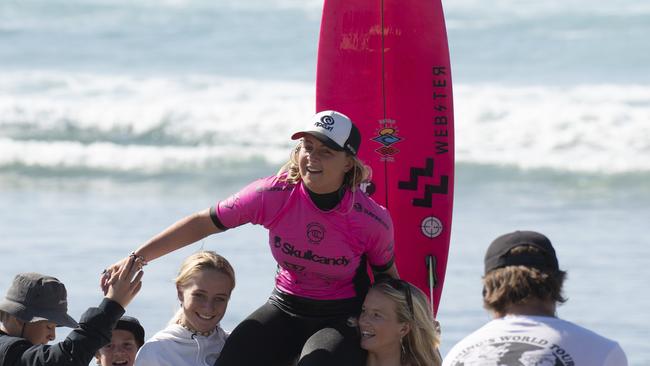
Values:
[(326, 122)]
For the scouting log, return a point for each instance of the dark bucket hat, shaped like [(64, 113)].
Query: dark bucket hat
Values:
[(33, 297)]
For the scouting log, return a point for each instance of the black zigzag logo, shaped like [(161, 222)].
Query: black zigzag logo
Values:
[(429, 189), (412, 185)]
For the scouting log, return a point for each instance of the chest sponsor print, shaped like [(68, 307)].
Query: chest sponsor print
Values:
[(309, 254), (315, 232), (514, 351), (294, 267)]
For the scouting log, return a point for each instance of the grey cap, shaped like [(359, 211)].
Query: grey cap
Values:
[(33, 297)]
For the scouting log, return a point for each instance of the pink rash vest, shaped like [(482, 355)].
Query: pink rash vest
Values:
[(318, 252)]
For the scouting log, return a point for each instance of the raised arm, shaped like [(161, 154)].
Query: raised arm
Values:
[(94, 329), (185, 231)]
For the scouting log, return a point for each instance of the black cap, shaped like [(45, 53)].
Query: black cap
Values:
[(132, 325), (498, 254), (33, 297)]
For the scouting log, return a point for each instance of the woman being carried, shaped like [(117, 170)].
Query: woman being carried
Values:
[(322, 232)]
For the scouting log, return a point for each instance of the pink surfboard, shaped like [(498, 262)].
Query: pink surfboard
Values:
[(385, 64)]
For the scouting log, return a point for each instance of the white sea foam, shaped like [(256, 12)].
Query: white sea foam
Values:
[(161, 125), (591, 128), (190, 106), (145, 126)]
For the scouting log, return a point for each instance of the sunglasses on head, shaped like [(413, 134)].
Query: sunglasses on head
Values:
[(403, 287)]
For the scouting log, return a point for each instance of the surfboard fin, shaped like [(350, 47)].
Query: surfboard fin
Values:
[(431, 263)]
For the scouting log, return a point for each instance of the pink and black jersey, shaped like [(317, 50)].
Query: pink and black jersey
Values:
[(318, 252)]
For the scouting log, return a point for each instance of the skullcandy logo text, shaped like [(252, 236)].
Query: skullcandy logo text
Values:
[(309, 255)]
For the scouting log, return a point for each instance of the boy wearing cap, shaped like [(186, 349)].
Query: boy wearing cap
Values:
[(126, 340), (521, 288), (36, 304)]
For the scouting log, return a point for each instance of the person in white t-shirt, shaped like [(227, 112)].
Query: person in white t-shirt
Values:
[(522, 287)]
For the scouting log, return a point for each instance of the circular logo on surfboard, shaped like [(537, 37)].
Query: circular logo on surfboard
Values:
[(431, 227)]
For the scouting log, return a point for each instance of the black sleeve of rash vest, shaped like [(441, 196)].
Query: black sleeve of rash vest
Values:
[(215, 219)]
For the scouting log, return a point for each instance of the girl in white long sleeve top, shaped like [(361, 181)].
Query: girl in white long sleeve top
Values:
[(193, 337), (178, 346)]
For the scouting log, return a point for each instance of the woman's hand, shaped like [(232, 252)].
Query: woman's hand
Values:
[(139, 261), (124, 283), (183, 232)]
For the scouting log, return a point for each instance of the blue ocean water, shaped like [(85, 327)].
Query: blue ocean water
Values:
[(119, 117)]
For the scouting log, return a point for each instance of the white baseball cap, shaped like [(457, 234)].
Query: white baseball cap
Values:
[(335, 130)]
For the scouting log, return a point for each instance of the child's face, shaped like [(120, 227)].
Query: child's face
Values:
[(121, 351), (40, 332), (204, 299)]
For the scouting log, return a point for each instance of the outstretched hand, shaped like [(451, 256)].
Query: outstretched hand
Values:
[(111, 270), (122, 284), (183, 232)]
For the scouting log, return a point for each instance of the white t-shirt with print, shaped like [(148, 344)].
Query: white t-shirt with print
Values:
[(534, 341)]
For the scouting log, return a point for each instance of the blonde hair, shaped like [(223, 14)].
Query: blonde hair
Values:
[(359, 173), (201, 261), (420, 344), (507, 286)]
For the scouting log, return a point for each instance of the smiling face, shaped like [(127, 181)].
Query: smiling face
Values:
[(40, 332), (120, 352), (322, 169), (204, 298), (380, 328)]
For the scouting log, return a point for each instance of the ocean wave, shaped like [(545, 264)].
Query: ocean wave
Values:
[(134, 159), (124, 110), (118, 124), (590, 128)]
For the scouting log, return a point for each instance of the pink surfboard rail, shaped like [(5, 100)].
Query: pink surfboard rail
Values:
[(385, 64)]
